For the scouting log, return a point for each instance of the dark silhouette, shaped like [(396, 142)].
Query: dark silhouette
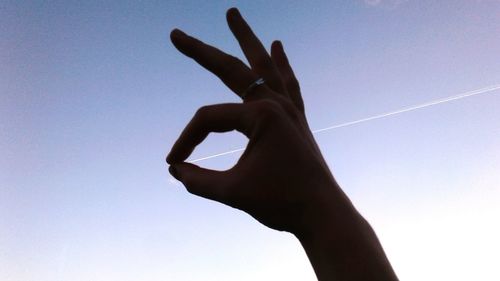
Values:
[(281, 179)]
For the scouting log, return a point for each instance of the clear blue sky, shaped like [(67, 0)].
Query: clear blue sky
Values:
[(93, 95)]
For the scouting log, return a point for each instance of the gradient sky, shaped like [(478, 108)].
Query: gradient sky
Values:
[(93, 95)]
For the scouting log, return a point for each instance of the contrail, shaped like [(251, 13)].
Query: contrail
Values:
[(382, 115), (217, 155), (414, 107)]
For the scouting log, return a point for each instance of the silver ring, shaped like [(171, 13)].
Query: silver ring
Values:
[(252, 86)]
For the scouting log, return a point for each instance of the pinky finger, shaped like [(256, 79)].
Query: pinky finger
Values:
[(291, 84)]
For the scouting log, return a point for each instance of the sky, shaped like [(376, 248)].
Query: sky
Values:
[(93, 95)]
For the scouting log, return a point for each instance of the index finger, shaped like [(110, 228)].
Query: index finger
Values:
[(232, 71)]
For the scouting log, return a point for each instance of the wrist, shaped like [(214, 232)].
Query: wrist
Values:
[(339, 242), (328, 209)]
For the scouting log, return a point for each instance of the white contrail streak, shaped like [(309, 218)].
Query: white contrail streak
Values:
[(382, 115), (217, 155), (414, 107)]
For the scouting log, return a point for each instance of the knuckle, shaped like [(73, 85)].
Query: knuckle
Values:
[(202, 112), (263, 62), (292, 110), (230, 66), (267, 109), (291, 82)]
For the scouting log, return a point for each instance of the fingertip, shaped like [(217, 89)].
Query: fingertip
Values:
[(232, 14), (277, 44), (276, 47), (176, 34), (169, 157), (174, 172), (174, 157), (232, 10)]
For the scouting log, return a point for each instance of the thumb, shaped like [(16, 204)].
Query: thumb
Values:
[(200, 181)]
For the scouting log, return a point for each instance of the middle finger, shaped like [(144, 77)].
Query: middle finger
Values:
[(254, 51)]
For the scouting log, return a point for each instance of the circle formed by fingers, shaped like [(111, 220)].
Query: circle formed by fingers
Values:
[(213, 118)]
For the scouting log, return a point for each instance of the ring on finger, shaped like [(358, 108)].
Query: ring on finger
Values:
[(252, 86)]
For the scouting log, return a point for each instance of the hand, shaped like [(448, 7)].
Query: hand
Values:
[(281, 174), (281, 179)]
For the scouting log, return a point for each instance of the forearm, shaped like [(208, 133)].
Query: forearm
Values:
[(340, 243)]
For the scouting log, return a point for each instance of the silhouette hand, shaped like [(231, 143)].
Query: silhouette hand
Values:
[(281, 176), (281, 179)]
